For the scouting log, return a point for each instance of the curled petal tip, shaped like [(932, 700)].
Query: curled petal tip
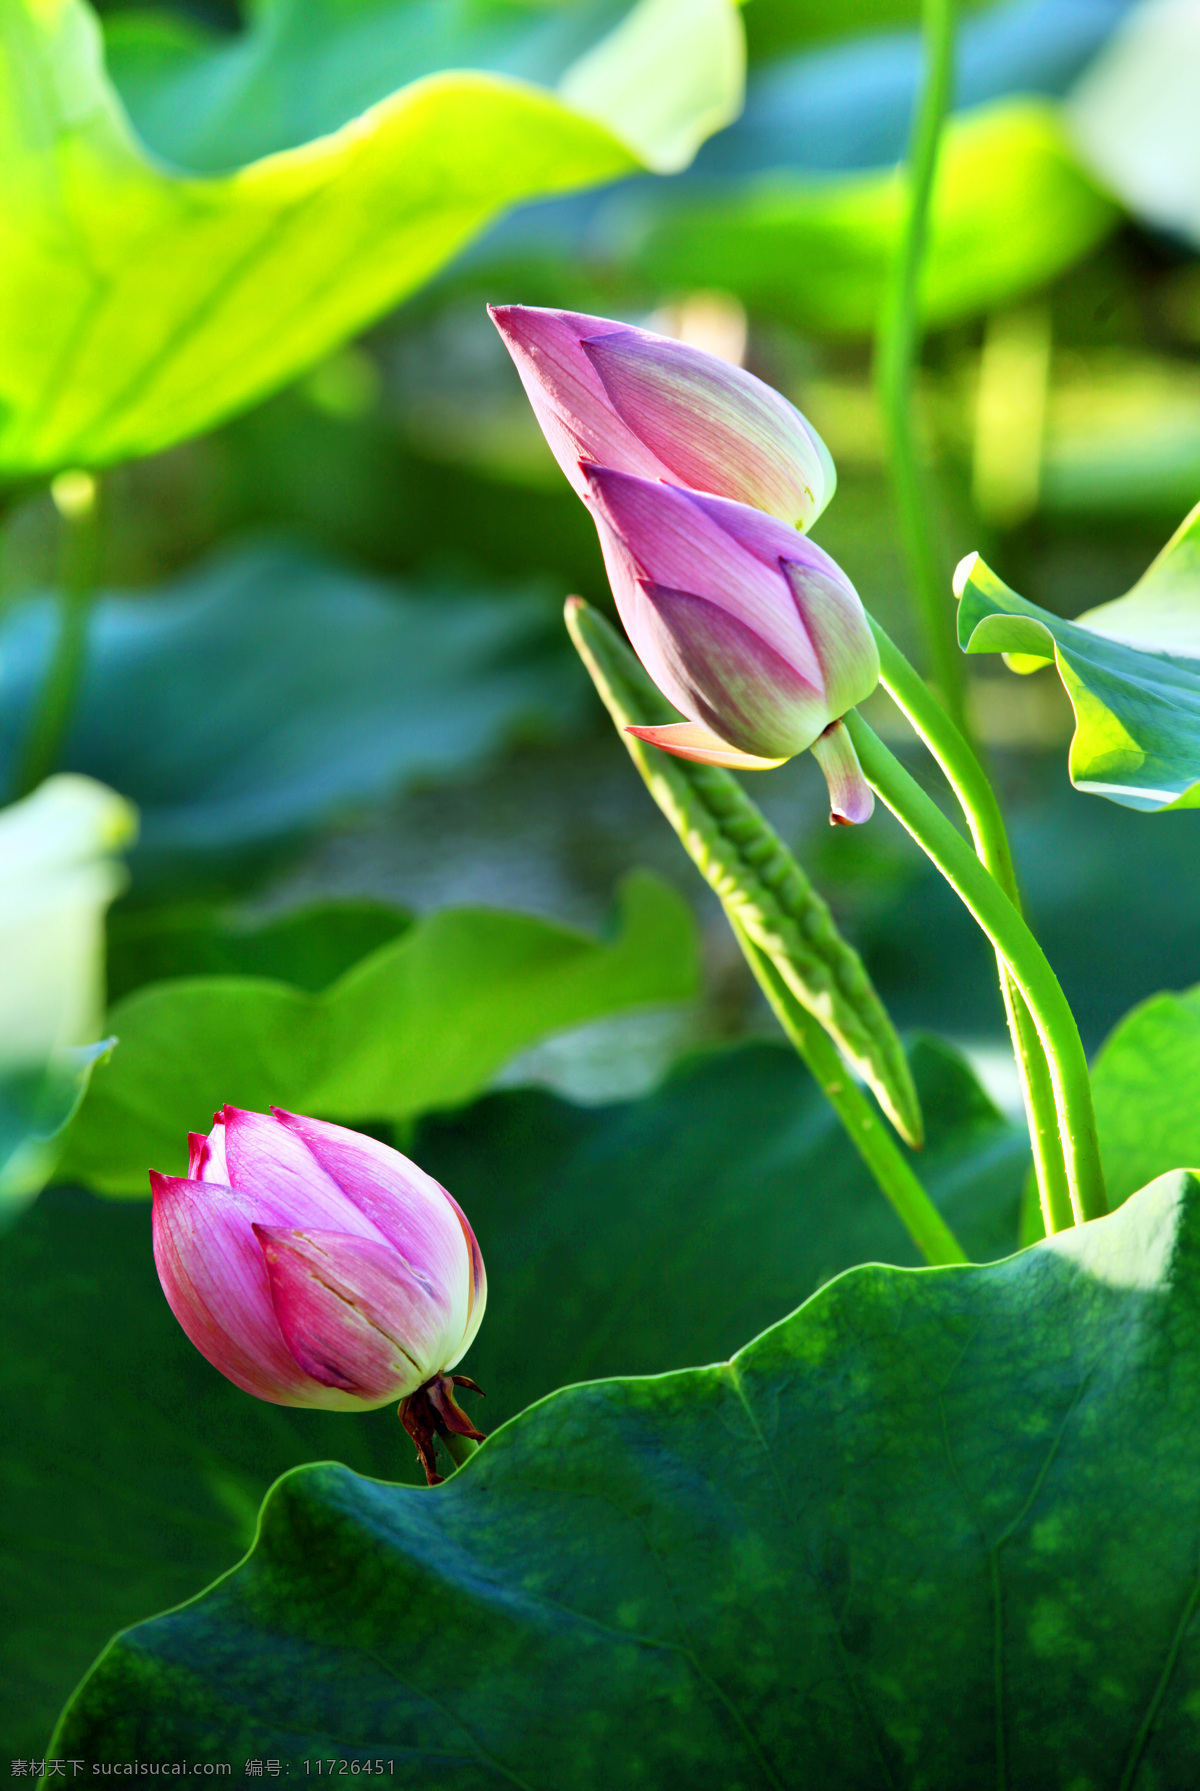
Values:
[(851, 801)]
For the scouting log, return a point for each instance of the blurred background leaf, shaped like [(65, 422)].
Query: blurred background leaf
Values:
[(142, 304), (264, 692), (423, 1021), (308, 947), (626, 1239), (799, 244), (1147, 1091), (837, 105), (1012, 207), (1133, 115), (659, 74), (59, 870)]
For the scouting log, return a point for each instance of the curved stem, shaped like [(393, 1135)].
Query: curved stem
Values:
[(874, 1144), (1055, 1023), (75, 498), (967, 779), (897, 346)]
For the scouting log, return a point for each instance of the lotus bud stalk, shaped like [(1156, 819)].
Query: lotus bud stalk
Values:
[(625, 398), (754, 634), (314, 1266)]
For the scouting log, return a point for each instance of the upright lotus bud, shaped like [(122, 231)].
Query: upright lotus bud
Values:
[(641, 403), (754, 633), (316, 1267)]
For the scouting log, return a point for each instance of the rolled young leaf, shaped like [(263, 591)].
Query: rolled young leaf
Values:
[(1131, 669), (59, 871), (760, 885)]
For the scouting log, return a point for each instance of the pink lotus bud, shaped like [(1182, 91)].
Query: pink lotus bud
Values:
[(641, 403), (314, 1266), (754, 633)]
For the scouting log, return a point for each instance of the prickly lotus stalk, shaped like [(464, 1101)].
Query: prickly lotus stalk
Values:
[(316, 1267), (761, 887)]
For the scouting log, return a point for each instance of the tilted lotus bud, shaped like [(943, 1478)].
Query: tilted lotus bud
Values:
[(641, 403), (754, 633), (314, 1266)]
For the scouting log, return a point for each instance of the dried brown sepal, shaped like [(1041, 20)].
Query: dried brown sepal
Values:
[(433, 1411)]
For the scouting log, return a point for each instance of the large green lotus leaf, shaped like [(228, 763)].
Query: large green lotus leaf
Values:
[(327, 688), (626, 1239), (1012, 208), (425, 1021), (1131, 669), (1146, 1084), (142, 303), (939, 1528)]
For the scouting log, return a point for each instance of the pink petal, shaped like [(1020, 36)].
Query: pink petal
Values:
[(717, 427), (197, 1154), (637, 614), (477, 1298), (837, 625), (688, 740), (566, 392), (272, 1164), (736, 684), (353, 1316), (712, 548), (400, 1202), (213, 1274)]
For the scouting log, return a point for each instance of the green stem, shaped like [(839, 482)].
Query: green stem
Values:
[(459, 1449), (967, 779), (1021, 952), (897, 347), (54, 708), (874, 1144)]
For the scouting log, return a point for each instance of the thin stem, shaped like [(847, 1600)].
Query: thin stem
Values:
[(1039, 986), (897, 348), (967, 779), (75, 498), (874, 1144)]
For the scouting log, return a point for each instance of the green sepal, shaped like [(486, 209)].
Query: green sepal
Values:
[(761, 887)]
